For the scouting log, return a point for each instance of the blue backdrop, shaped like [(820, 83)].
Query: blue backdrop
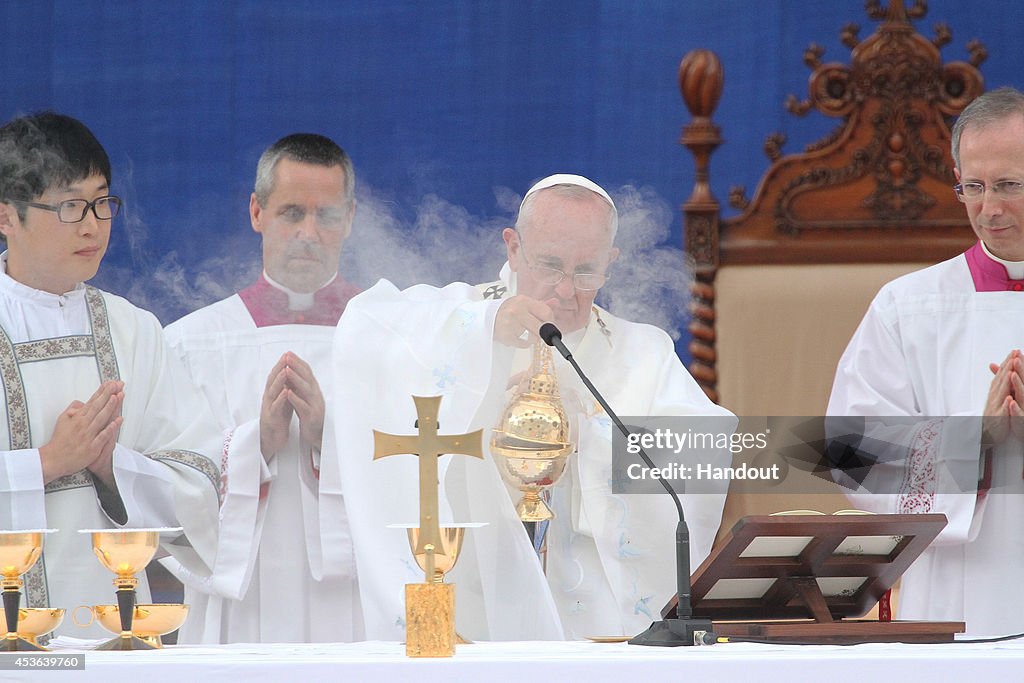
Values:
[(449, 109)]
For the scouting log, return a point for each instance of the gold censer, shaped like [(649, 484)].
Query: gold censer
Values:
[(532, 443)]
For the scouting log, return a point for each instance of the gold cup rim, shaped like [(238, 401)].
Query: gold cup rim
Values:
[(125, 552), (19, 551), (142, 627), (441, 525), (123, 530), (55, 614)]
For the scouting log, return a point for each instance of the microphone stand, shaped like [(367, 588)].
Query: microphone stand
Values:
[(685, 629)]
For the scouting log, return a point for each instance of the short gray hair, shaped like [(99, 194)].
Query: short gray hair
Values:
[(571, 192), (991, 107), (305, 148)]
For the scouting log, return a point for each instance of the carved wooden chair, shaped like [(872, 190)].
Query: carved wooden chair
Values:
[(781, 287)]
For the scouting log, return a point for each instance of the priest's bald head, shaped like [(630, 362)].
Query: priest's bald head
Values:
[(562, 245), (302, 205)]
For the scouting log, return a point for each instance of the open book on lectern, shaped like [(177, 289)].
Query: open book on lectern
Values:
[(822, 568)]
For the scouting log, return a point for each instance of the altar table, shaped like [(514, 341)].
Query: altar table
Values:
[(529, 662)]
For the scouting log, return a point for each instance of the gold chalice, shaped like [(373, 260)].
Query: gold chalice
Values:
[(125, 552), (38, 621), (445, 557), (148, 623), (19, 550), (532, 443)]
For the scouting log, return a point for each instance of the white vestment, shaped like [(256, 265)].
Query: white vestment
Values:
[(57, 349), (923, 351), (292, 591), (611, 558)]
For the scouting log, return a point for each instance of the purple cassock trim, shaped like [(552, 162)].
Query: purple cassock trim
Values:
[(269, 306), (989, 275)]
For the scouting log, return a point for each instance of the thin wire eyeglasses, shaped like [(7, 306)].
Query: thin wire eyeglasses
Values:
[(75, 210), (1005, 190), (586, 282)]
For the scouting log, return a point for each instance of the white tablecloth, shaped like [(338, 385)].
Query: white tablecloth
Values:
[(547, 661)]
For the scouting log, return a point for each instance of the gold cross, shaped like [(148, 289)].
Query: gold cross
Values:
[(428, 445)]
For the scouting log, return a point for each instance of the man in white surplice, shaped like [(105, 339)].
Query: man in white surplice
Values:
[(610, 563), (942, 345), (260, 357), (102, 427)]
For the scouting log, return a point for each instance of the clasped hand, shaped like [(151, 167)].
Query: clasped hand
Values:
[(84, 436), (291, 389), (1004, 406)]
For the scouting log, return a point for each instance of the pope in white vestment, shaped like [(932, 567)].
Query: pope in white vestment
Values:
[(57, 348), (610, 558)]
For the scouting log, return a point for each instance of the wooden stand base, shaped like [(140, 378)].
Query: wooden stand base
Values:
[(843, 631), (429, 620)]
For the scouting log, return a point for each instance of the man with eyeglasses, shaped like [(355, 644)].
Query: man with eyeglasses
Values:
[(101, 426), (610, 562), (942, 345), (262, 357)]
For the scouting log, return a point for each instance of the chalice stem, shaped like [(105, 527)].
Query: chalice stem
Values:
[(531, 508), (126, 607), (12, 600), (430, 570)]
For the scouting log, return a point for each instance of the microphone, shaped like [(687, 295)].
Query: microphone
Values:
[(552, 336), (685, 629)]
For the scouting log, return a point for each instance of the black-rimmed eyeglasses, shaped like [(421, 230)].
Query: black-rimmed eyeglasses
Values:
[(74, 210)]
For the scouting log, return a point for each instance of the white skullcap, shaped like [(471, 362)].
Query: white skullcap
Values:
[(569, 179)]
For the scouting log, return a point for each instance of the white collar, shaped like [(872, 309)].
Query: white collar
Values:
[(1015, 269), (297, 301)]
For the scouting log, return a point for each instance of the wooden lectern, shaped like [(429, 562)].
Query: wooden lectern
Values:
[(799, 578)]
